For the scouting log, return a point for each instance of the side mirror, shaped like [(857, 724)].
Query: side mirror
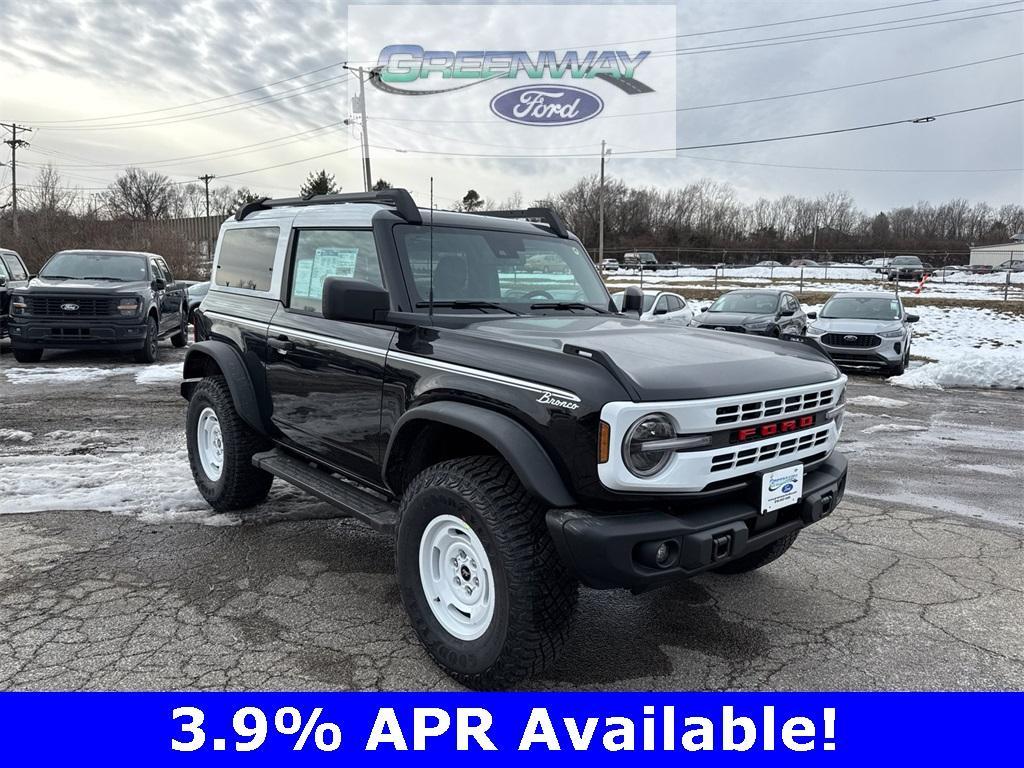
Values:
[(3, 281), (158, 284), (787, 313), (812, 315), (913, 318), (633, 300), (356, 301)]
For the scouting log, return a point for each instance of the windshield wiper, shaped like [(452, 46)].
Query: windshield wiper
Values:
[(104, 277), (468, 305), (60, 277), (568, 305)]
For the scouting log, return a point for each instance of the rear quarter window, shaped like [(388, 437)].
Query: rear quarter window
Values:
[(246, 258)]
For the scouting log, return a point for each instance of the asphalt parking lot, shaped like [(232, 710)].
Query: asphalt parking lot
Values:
[(916, 582)]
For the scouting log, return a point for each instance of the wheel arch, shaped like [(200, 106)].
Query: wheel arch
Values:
[(487, 429), (215, 358)]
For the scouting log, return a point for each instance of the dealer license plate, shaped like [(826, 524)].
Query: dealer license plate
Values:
[(781, 487)]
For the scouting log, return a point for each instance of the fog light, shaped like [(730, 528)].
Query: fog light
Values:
[(658, 554), (662, 555)]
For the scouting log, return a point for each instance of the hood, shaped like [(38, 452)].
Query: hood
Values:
[(852, 325), (664, 362), (733, 318), (49, 285)]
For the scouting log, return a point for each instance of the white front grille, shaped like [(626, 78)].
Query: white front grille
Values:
[(756, 410), (768, 450)]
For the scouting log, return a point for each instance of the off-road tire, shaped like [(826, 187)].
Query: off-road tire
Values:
[(180, 339), (760, 557), (149, 352), (240, 485), (27, 355), (535, 596)]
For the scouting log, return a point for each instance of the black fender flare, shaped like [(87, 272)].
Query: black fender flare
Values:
[(236, 374), (513, 441)]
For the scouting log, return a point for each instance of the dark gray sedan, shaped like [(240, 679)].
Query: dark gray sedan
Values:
[(754, 310)]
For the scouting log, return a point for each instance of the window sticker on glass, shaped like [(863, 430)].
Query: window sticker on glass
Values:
[(326, 262)]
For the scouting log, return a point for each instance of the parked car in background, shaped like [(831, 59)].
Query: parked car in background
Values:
[(196, 293), (768, 264), (978, 269), (905, 268), (864, 329), (112, 300), (13, 274), (803, 263), (753, 310), (1011, 265), (644, 259), (660, 307), (879, 265), (610, 265), (945, 272)]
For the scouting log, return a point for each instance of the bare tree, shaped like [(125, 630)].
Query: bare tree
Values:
[(141, 195)]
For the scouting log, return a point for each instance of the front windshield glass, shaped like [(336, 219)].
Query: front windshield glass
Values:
[(508, 269), (751, 303), (857, 308), (122, 267)]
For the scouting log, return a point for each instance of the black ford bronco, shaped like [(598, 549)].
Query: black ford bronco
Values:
[(112, 300), (513, 431)]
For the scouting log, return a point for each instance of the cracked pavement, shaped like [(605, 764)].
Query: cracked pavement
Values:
[(915, 582)]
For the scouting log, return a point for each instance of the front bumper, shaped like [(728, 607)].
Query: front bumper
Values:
[(607, 551), (29, 332), (887, 353)]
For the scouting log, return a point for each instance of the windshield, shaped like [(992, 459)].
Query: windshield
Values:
[(648, 300), (752, 303), (906, 260), (857, 308), (123, 267), (500, 268)]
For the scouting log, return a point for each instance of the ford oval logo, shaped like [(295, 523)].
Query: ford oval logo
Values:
[(546, 105), (849, 338), (69, 307)]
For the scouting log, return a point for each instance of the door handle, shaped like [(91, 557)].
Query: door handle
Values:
[(282, 344)]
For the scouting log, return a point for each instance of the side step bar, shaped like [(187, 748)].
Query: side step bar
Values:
[(344, 495)]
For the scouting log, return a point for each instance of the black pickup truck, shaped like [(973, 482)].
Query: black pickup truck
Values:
[(112, 300), (513, 431)]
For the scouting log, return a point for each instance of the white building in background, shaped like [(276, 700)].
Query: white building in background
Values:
[(994, 255)]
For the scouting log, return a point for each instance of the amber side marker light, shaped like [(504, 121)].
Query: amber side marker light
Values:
[(604, 437)]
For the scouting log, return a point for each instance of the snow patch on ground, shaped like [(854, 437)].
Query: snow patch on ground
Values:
[(994, 368), (894, 427), (154, 374), (14, 436), (48, 375), (873, 401)]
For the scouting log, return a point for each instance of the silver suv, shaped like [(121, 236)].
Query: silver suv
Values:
[(869, 329)]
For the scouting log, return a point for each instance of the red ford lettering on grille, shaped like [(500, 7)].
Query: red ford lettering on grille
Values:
[(772, 429)]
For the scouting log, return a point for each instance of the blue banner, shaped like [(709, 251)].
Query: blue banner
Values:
[(200, 729)]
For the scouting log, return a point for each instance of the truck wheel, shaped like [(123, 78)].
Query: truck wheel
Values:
[(478, 573), (148, 353), (28, 355), (221, 447), (180, 339), (760, 557)]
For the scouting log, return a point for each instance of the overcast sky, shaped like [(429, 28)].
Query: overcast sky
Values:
[(73, 61)]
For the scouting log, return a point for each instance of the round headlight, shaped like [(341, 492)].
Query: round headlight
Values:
[(641, 458)]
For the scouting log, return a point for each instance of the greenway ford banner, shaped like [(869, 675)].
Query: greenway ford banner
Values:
[(523, 80)]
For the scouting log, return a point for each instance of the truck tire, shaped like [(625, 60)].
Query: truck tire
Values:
[(478, 573), (760, 557), (149, 353), (180, 339), (221, 447), (28, 355)]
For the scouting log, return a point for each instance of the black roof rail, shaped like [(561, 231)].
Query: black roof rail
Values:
[(404, 205), (546, 215)]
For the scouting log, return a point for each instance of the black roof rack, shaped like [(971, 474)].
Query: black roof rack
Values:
[(546, 215), (404, 205)]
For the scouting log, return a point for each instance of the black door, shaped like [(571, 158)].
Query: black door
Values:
[(326, 377)]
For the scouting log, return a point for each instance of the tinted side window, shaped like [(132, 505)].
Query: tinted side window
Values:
[(166, 270), (320, 254), (247, 258)]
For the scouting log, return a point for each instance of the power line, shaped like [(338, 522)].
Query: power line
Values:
[(189, 104)]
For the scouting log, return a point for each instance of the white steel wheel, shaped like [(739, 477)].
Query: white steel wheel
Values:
[(456, 576), (210, 443)]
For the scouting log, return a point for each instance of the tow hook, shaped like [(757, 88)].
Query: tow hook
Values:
[(721, 546)]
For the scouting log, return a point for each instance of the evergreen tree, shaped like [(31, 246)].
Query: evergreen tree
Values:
[(472, 201), (320, 183), (382, 184)]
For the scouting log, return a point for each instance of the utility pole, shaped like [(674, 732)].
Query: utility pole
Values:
[(600, 207), (14, 143), (359, 105), (206, 178)]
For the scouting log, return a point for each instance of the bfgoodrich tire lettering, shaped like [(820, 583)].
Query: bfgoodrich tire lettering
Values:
[(239, 484), (534, 595)]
